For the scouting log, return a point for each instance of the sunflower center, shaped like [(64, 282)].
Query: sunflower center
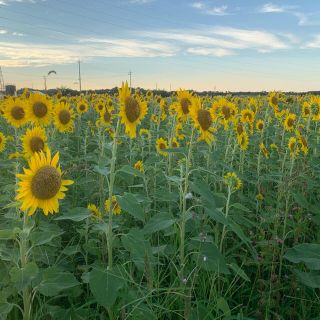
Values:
[(17, 113), (0, 140), (185, 103), (40, 109), (82, 107), (174, 144), (46, 183), (107, 116), (204, 119), (162, 145), (239, 129), (290, 122), (274, 100), (36, 144), (307, 111), (226, 112), (100, 107), (260, 126), (132, 109), (110, 103), (64, 116)]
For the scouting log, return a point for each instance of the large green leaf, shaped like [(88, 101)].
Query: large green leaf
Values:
[(42, 237), (132, 171), (75, 214), (308, 253), (55, 280), (158, 222), (105, 286), (22, 277), (129, 203), (310, 279)]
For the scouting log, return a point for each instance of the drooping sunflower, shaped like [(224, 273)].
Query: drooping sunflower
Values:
[(145, 133), (182, 107), (40, 109), (232, 181), (113, 206), (178, 131), (243, 140), (175, 143), (15, 112), (41, 185), (306, 110), (260, 125), (95, 212), (293, 147), (264, 150), (34, 140), (303, 143), (3, 141), (132, 110), (274, 99), (161, 145), (82, 106), (289, 121), (63, 117), (202, 119), (139, 166)]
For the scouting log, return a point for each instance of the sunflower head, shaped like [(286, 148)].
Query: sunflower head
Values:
[(182, 107), (15, 111), (293, 147), (41, 186), (139, 166), (243, 140), (82, 106), (264, 150), (95, 212), (232, 181), (3, 141), (260, 125), (112, 206), (247, 116), (63, 117), (40, 109), (161, 146), (33, 141), (290, 121)]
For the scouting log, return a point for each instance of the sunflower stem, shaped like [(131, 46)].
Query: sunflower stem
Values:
[(111, 184)]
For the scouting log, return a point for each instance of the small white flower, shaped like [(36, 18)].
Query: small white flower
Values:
[(205, 258)]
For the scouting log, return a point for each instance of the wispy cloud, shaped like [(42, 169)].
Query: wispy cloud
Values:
[(215, 52), (3, 31), (273, 8), (8, 2), (210, 10), (314, 43), (140, 1)]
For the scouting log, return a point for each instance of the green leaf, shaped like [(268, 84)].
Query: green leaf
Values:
[(310, 279), (132, 171), (301, 200), (129, 203), (103, 171), (239, 272), (240, 207), (75, 214), (217, 215), (7, 234), (22, 277), (158, 222), (308, 253), (42, 237), (54, 280), (223, 306), (202, 188), (105, 286), (209, 258)]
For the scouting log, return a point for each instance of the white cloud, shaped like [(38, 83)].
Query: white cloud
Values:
[(209, 10), (28, 54), (315, 43), (273, 8), (7, 2), (215, 52), (17, 34), (140, 1), (3, 31)]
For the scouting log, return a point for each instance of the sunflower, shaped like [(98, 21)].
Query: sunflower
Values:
[(303, 143), (41, 185), (182, 107), (3, 141), (225, 111), (63, 117), (145, 132), (154, 119), (178, 130), (259, 197), (232, 181), (95, 212), (289, 121), (114, 206), (264, 150), (293, 147), (162, 144), (40, 109), (132, 110), (34, 140), (15, 155), (274, 147), (202, 119), (82, 106), (99, 106), (247, 116), (243, 140), (15, 112), (139, 166), (274, 99), (175, 143), (306, 110), (260, 125), (106, 116)]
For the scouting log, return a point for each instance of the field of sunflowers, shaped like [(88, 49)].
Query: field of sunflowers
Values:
[(137, 206)]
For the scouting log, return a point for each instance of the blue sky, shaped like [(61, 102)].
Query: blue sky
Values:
[(200, 45)]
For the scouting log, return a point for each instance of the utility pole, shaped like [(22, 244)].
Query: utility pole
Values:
[(2, 86), (79, 75), (130, 76), (45, 83)]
